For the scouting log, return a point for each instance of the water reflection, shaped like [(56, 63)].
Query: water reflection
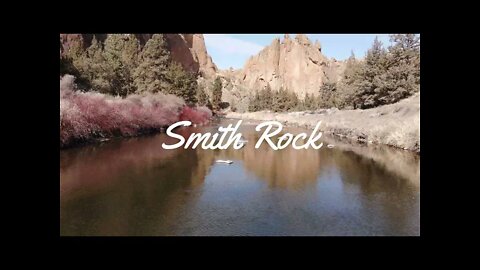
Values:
[(134, 187), (286, 168)]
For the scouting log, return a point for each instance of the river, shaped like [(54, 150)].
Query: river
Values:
[(134, 187)]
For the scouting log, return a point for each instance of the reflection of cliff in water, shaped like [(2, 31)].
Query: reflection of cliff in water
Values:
[(299, 168), (280, 168)]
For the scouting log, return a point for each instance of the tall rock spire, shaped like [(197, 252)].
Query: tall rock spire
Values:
[(295, 64)]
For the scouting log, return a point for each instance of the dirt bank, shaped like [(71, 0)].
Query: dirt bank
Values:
[(396, 124)]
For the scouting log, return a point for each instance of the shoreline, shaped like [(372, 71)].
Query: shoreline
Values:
[(396, 125), (99, 140)]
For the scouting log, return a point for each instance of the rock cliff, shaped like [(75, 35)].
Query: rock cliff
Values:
[(295, 64)]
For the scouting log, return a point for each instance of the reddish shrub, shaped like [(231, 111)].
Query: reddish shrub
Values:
[(198, 115), (90, 115)]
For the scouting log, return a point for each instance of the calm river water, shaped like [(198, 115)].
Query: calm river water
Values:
[(133, 187)]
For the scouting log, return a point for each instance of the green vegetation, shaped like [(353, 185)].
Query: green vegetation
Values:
[(277, 101), (151, 74), (217, 93), (181, 83), (120, 67), (384, 76)]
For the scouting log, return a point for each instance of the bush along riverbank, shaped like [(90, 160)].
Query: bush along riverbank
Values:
[(91, 116), (396, 124)]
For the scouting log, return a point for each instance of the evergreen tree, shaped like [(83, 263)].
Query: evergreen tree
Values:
[(97, 70), (352, 67), (131, 52), (327, 97), (280, 100), (151, 73), (388, 76), (121, 56), (265, 98), (112, 55), (73, 62), (181, 83), (217, 93), (403, 74), (202, 96), (371, 86), (277, 101), (292, 101)]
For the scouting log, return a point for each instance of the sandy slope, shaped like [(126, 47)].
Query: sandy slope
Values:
[(395, 124)]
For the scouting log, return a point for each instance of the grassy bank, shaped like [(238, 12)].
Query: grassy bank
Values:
[(396, 124)]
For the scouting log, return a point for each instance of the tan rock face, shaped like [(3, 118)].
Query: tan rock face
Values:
[(190, 51), (295, 64), (181, 52), (206, 65)]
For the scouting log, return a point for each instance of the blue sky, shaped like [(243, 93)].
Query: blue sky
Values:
[(233, 50)]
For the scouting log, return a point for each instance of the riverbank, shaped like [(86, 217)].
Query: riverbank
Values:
[(86, 117), (396, 125)]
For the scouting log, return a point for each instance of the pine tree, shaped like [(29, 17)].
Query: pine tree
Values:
[(130, 52), (292, 101), (371, 86), (130, 60), (181, 83), (403, 63), (73, 62), (120, 57), (150, 75), (309, 102), (350, 73), (202, 96), (388, 76), (328, 95), (97, 70), (217, 93), (114, 44), (266, 98), (112, 55), (280, 100)]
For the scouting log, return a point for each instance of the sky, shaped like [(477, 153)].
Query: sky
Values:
[(233, 50)]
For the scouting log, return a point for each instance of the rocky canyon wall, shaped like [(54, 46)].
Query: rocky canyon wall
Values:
[(292, 63)]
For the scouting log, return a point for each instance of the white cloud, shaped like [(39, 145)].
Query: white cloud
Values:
[(230, 45)]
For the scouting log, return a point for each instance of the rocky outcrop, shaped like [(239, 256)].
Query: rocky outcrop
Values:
[(206, 65), (295, 64), (187, 49), (191, 52)]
